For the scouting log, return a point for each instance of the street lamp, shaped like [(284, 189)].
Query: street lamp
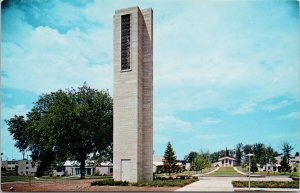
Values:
[(249, 155)]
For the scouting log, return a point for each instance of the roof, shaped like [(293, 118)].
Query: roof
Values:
[(226, 157)]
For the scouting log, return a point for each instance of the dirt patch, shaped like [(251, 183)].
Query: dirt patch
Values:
[(74, 185)]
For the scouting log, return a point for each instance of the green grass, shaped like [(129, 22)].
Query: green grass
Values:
[(245, 170), (225, 171), (46, 178), (266, 184), (168, 183), (206, 170)]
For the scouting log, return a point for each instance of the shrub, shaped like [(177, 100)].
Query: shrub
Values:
[(267, 184), (166, 182), (109, 182)]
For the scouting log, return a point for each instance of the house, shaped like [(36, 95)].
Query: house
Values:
[(104, 168), (226, 161), (72, 168), (158, 164), (268, 167)]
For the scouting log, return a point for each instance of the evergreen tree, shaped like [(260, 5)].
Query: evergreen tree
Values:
[(286, 149), (253, 165), (169, 159), (285, 167), (238, 152)]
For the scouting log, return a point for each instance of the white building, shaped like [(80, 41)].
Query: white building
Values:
[(105, 168), (225, 161), (25, 167), (72, 168)]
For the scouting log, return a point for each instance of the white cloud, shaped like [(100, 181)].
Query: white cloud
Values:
[(9, 112), (169, 124), (56, 61), (291, 115), (244, 108), (209, 121), (275, 106)]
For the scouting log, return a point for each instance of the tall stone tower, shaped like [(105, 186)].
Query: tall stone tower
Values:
[(133, 95)]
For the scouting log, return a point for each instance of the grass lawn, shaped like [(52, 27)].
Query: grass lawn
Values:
[(46, 178), (206, 170), (269, 173), (266, 184), (225, 171)]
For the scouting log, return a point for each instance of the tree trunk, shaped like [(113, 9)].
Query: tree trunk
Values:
[(82, 169)]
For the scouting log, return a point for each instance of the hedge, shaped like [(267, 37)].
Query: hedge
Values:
[(166, 182), (266, 184), (109, 182)]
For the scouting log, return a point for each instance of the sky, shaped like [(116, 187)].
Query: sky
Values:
[(225, 72)]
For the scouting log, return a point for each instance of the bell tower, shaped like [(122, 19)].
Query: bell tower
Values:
[(133, 95)]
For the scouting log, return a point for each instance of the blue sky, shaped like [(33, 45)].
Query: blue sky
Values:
[(224, 71)]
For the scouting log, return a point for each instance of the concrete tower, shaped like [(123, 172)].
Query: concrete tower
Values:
[(133, 95)]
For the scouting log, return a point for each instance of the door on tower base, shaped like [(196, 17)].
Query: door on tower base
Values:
[(125, 170)]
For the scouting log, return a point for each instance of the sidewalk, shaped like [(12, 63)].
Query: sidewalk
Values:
[(209, 184), (267, 189)]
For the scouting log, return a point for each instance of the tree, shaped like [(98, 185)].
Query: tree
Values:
[(200, 163), (270, 156), (169, 159), (17, 125), (66, 124), (238, 152), (285, 167), (286, 149), (247, 149), (297, 154), (191, 156), (259, 150), (253, 164)]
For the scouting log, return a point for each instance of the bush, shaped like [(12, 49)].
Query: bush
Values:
[(166, 182), (109, 182), (267, 184)]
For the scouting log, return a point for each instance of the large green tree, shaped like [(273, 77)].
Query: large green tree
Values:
[(64, 125), (191, 156), (200, 163), (259, 151), (169, 160)]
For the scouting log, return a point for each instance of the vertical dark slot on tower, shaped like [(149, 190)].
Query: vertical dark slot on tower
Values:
[(125, 42)]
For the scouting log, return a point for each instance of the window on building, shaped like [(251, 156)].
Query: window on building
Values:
[(26, 162), (26, 168), (125, 42)]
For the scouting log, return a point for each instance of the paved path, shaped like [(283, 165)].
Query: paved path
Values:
[(238, 171), (207, 172), (215, 184), (267, 189), (218, 184)]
